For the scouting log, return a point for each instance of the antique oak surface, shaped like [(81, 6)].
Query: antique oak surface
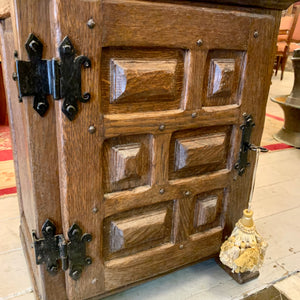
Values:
[(147, 166)]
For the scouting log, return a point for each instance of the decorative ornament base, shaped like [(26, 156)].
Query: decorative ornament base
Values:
[(238, 277), (290, 132)]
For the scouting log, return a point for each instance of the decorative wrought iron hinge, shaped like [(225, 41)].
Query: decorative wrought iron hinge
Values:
[(53, 248), (61, 79), (246, 128)]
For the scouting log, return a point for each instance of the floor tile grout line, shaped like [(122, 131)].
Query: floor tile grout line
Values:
[(278, 213), (10, 251), (9, 219), (18, 294)]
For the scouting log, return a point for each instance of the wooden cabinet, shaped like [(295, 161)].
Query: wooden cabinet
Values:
[(147, 165)]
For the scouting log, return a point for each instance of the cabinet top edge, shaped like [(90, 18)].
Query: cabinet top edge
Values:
[(269, 4)]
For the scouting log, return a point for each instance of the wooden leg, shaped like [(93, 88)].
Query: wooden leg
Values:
[(282, 65), (278, 60)]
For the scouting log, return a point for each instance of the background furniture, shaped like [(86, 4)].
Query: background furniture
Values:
[(288, 37)]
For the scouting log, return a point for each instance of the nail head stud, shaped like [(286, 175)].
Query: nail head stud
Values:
[(15, 76), (187, 193), (255, 34), (95, 210), (161, 191), (199, 43), (162, 127), (91, 23), (92, 129), (194, 115), (181, 247)]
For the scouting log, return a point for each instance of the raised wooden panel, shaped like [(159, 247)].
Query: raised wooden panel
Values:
[(206, 211), (195, 152), (224, 76), (221, 77), (140, 79), (126, 162), (136, 230), (139, 229), (208, 208)]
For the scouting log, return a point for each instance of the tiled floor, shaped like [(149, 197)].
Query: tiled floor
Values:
[(276, 206)]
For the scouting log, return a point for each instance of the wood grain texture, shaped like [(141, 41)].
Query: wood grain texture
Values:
[(198, 151), (172, 120), (206, 149), (258, 72), (34, 138), (122, 19), (206, 211), (4, 9), (81, 188), (221, 76), (136, 230), (224, 77), (116, 271), (209, 210), (141, 80), (149, 212), (173, 189), (275, 4), (126, 162), (138, 79), (141, 228)]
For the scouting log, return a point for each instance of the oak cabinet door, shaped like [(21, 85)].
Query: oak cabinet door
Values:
[(155, 183)]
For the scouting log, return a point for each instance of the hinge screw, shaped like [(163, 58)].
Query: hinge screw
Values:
[(92, 129), (75, 232), (75, 274), (88, 260), (67, 49), (34, 45), (255, 34), (49, 229), (15, 76), (199, 42), (53, 269), (87, 64), (41, 106), (91, 23), (71, 109)]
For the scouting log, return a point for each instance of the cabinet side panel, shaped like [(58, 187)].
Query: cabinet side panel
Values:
[(260, 57), (35, 147)]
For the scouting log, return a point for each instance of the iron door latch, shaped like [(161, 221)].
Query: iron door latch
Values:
[(61, 79), (246, 128), (53, 248)]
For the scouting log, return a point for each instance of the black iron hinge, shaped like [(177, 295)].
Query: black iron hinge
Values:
[(54, 250), (61, 79), (246, 128)]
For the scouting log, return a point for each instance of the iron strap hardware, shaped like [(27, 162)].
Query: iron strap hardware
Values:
[(246, 128), (61, 79), (52, 248)]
